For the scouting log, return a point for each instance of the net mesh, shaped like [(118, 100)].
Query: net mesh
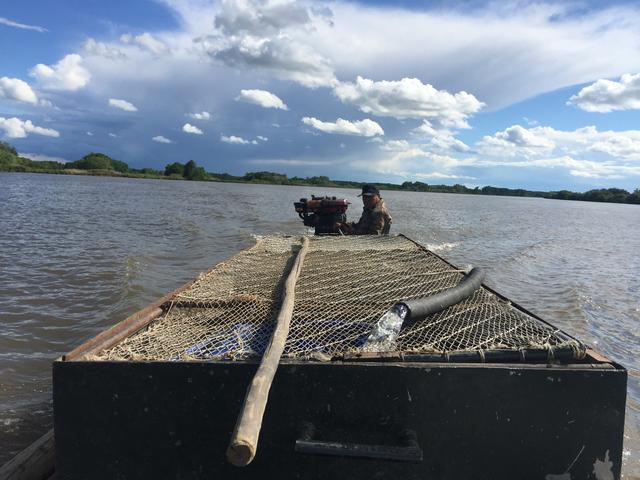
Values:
[(345, 285)]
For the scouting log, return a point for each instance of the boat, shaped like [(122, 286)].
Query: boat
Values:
[(480, 389)]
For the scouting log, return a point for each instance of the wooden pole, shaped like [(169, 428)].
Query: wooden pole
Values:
[(244, 441)]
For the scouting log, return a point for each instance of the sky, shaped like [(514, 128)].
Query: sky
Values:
[(519, 94)]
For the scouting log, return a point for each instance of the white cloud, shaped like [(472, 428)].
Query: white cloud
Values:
[(427, 130), (11, 23), (378, 42), (607, 95), (122, 105), (403, 151), (410, 98), (280, 55), (90, 134), (395, 145), (93, 47), (113, 135), (575, 167), (404, 159), (16, 128), (263, 98), (438, 175), (441, 139), (16, 89), (200, 115), (146, 41), (261, 18), (161, 139), (625, 145), (450, 144), (39, 157), (270, 37), (234, 140), (520, 142), (584, 152), (67, 74), (362, 128), (264, 139), (188, 128), (511, 47)]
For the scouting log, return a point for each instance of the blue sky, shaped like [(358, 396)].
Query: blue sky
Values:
[(538, 95)]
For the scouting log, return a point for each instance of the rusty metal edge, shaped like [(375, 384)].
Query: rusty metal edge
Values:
[(136, 321)]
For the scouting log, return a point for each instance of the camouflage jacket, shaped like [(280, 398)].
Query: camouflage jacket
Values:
[(374, 221)]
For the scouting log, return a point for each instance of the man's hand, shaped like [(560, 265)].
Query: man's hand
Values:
[(345, 228)]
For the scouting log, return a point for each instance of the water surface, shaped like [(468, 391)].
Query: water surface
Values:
[(78, 254)]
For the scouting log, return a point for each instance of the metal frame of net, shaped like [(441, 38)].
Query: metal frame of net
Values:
[(346, 284)]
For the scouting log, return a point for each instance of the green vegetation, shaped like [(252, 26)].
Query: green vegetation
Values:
[(193, 172), (5, 147), (174, 169), (98, 161), (101, 164)]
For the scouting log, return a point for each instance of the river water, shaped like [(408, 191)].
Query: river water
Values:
[(78, 254)]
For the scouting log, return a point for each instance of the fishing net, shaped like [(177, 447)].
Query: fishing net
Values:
[(346, 284)]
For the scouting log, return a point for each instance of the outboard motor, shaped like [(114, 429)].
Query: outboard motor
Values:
[(322, 213)]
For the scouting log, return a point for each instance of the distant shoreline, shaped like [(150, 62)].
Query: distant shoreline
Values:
[(99, 164), (417, 186)]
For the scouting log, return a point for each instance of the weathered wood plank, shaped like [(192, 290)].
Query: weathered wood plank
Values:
[(36, 462)]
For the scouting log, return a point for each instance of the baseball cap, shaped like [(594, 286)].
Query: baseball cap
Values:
[(369, 190)]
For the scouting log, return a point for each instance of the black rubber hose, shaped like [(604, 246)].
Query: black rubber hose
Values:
[(421, 307)]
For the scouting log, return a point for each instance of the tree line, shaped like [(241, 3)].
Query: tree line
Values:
[(101, 164)]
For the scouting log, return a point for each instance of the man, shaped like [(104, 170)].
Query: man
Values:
[(375, 219)]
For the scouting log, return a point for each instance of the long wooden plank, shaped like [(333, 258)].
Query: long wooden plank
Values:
[(36, 462)]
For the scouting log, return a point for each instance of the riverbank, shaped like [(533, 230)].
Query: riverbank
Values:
[(605, 195), (99, 164)]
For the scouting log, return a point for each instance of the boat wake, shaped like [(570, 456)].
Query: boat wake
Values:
[(442, 247)]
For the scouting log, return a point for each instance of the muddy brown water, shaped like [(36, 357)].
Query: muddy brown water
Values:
[(78, 254)]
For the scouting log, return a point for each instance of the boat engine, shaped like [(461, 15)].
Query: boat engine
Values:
[(322, 213)]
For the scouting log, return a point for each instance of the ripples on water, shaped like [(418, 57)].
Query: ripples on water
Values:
[(81, 253)]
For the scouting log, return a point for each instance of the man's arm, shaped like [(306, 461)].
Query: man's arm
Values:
[(351, 228), (372, 224), (345, 228)]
